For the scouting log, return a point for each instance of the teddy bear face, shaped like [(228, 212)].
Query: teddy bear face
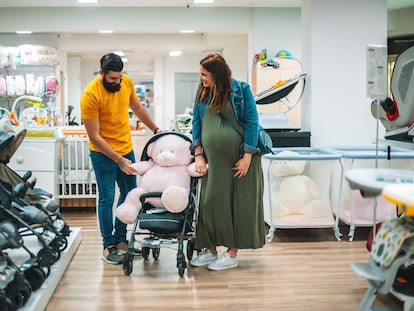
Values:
[(170, 150), (281, 168)]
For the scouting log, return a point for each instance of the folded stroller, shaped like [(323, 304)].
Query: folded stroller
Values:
[(159, 225), (9, 142)]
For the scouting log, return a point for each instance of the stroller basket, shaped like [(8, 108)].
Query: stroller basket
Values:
[(163, 222)]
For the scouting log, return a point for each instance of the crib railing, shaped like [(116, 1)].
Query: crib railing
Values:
[(76, 177)]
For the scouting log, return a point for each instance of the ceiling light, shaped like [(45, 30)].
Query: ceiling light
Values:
[(202, 1), (124, 59), (24, 32), (187, 31), (119, 53), (88, 1), (106, 31), (175, 53)]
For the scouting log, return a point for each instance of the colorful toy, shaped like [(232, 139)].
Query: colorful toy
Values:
[(284, 54)]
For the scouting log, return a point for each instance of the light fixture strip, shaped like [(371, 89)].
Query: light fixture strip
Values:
[(24, 32), (203, 1), (175, 53), (88, 1)]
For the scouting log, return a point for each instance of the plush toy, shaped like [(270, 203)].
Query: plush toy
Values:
[(169, 171), (294, 193)]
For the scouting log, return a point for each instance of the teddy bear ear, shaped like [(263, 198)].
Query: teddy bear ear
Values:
[(150, 148)]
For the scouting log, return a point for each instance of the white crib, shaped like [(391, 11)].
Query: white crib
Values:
[(76, 178)]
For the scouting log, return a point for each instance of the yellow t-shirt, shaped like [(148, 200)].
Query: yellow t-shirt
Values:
[(112, 111)]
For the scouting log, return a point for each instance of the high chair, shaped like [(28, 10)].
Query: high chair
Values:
[(393, 247)]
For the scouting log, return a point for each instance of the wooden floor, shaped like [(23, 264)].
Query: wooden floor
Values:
[(302, 269)]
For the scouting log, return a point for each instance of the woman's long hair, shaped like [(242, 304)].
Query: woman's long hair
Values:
[(221, 87)]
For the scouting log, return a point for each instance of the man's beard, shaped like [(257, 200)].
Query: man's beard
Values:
[(111, 87)]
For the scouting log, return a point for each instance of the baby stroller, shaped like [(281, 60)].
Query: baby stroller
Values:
[(37, 197), (160, 226)]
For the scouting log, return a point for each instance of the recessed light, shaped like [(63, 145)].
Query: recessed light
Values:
[(119, 53), (175, 53), (106, 31), (87, 1), (24, 32), (124, 59), (202, 1), (187, 31)]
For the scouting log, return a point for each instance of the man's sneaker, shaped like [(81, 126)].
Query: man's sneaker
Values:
[(110, 255), (122, 248), (223, 262), (203, 259)]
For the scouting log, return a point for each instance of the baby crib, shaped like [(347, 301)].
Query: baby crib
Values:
[(76, 178)]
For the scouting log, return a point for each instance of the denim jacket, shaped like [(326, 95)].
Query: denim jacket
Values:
[(244, 106)]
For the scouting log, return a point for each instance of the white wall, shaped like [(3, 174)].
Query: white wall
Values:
[(333, 43), (335, 107), (277, 30)]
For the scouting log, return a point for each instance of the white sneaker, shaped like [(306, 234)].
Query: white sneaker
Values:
[(203, 259), (223, 262)]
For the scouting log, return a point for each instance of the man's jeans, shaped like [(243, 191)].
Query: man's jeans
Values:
[(107, 173)]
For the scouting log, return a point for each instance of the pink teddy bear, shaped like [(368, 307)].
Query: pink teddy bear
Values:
[(168, 171)]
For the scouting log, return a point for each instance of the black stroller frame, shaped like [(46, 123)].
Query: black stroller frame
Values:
[(25, 211), (163, 227), (53, 221), (29, 200), (15, 289), (29, 220), (30, 274)]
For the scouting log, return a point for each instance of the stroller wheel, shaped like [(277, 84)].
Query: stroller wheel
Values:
[(190, 249), (127, 266), (36, 276), (26, 291), (47, 257), (156, 253), (65, 230), (19, 293), (181, 268), (59, 244), (145, 252), (5, 303)]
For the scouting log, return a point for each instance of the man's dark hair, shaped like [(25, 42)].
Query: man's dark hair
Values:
[(111, 62)]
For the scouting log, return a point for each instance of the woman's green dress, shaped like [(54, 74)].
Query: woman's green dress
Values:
[(231, 208)]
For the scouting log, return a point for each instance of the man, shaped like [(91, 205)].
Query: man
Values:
[(105, 107)]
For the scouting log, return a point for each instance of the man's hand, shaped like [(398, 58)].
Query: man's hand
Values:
[(126, 166)]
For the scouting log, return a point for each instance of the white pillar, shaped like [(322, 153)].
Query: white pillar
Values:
[(335, 34)]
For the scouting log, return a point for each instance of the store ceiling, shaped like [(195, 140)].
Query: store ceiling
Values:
[(148, 55), (392, 4)]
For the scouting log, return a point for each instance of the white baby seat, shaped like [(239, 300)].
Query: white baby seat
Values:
[(393, 248), (396, 113)]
